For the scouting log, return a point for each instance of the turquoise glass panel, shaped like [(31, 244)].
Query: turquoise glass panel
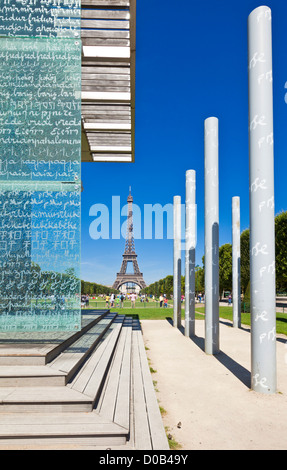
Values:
[(40, 109), (40, 18), (40, 256), (40, 165)]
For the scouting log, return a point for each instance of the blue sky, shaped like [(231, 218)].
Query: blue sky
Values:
[(191, 63)]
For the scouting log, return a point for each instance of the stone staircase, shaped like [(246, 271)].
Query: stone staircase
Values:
[(88, 389)]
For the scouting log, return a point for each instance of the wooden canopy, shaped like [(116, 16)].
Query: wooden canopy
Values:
[(108, 80)]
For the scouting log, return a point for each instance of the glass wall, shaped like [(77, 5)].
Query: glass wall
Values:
[(40, 165)]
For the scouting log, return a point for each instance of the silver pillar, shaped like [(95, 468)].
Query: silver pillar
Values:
[(190, 243), (211, 236), (262, 238), (177, 261), (236, 286)]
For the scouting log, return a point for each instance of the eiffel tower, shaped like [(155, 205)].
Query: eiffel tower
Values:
[(129, 255)]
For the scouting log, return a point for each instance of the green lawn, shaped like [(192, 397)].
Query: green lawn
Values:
[(147, 311), (101, 304), (151, 311), (226, 313), (144, 313)]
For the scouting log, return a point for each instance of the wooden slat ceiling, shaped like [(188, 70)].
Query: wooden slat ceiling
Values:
[(108, 80)]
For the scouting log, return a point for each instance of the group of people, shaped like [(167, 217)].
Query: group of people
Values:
[(163, 300), (118, 301), (85, 300), (112, 300)]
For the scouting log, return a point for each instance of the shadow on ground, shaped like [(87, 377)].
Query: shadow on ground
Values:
[(240, 372)]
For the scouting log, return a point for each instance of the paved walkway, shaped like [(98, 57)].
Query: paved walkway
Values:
[(210, 396)]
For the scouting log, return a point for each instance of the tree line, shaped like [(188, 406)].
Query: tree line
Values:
[(92, 288), (165, 286)]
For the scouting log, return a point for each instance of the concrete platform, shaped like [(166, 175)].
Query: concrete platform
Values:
[(208, 399)]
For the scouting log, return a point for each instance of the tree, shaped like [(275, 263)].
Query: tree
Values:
[(156, 289), (182, 286), (225, 267), (280, 254), (168, 286), (93, 288), (281, 251), (161, 286), (199, 279), (244, 259)]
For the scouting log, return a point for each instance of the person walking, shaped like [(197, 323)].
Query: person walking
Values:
[(112, 300), (133, 300)]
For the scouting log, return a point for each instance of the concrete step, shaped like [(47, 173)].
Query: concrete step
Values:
[(39, 348), (59, 371), (43, 400), (115, 400), (30, 376), (59, 431), (81, 393), (72, 358)]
